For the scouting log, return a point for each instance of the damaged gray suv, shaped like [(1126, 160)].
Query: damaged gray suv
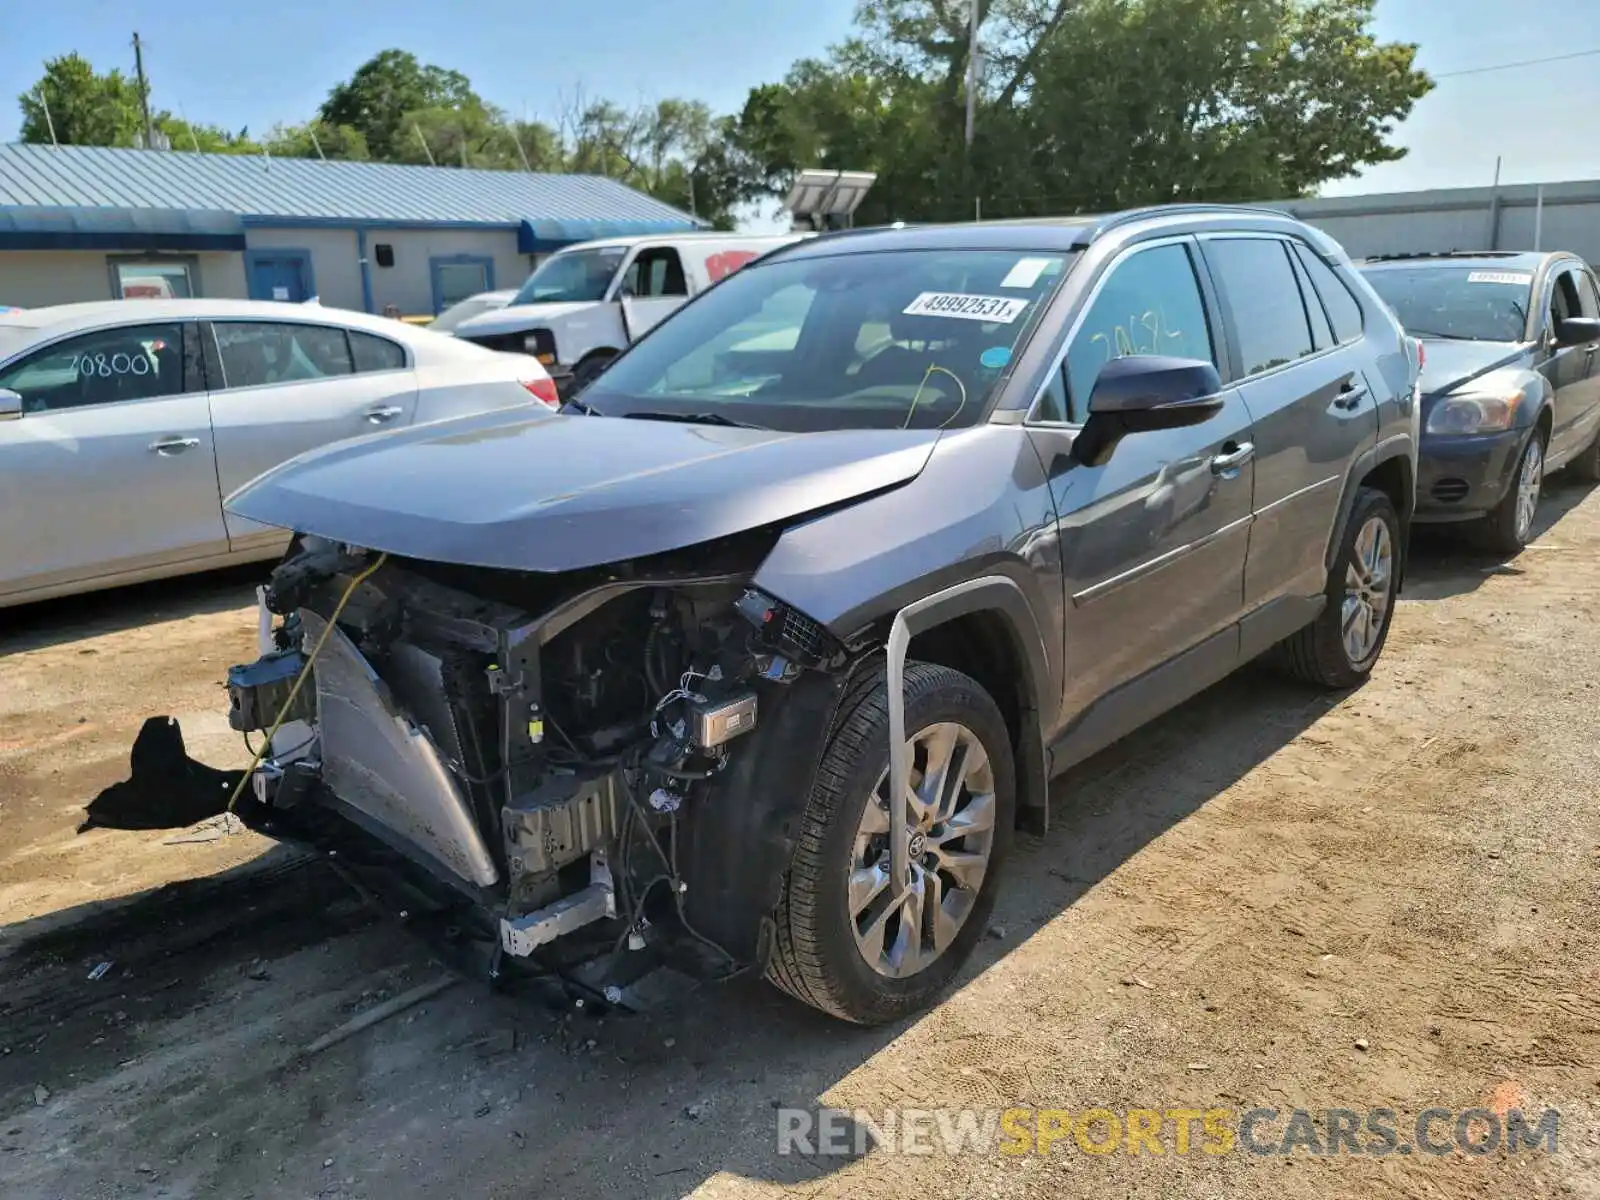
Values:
[(754, 656)]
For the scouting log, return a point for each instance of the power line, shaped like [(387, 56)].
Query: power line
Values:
[(1510, 66)]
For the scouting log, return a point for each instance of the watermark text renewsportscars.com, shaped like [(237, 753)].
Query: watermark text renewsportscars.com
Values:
[(1373, 1132)]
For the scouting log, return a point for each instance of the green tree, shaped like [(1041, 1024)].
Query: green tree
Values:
[(1087, 104), (204, 139), (382, 98), (316, 139), (85, 108)]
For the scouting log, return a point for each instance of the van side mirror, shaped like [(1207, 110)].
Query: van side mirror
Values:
[(10, 405), (1144, 393)]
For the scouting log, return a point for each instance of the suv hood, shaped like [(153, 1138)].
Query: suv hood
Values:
[(1450, 363), (553, 492), (514, 318)]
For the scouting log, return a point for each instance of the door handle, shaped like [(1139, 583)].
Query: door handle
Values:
[(171, 446), (1350, 395), (386, 412), (1232, 460)]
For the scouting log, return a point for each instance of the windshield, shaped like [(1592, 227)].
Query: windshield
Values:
[(886, 340), (1473, 303), (573, 275)]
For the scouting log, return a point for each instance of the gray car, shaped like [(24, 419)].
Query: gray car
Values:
[(755, 655), (1511, 382)]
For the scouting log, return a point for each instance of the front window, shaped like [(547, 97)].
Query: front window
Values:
[(1468, 303), (152, 279), (572, 276), (888, 340), (136, 362)]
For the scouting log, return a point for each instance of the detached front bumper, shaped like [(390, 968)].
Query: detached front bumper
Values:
[(1461, 478)]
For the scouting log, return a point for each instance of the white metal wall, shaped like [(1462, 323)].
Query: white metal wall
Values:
[(409, 283), (335, 270), (35, 278)]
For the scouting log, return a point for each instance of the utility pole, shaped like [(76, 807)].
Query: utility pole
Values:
[(316, 145), (424, 142), (144, 93), (972, 72)]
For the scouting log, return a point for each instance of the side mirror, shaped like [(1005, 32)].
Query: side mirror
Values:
[(1577, 331), (1142, 394), (10, 405)]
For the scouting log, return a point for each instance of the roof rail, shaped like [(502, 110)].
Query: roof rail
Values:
[(1405, 254), (1113, 220)]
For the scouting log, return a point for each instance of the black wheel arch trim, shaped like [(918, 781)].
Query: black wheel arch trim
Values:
[(1399, 446)]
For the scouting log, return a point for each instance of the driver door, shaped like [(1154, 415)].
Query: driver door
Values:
[(1153, 540), (653, 286)]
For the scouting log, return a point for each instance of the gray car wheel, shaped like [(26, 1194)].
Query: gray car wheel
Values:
[(847, 939), (1340, 648), (1510, 526)]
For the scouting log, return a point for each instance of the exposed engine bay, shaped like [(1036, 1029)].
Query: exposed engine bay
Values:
[(587, 766)]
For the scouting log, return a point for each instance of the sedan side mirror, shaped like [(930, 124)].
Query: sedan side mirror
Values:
[(10, 405), (1577, 331), (1144, 393)]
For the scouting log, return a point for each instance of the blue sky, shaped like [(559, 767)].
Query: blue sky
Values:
[(240, 64)]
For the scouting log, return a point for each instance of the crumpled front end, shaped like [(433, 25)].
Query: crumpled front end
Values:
[(556, 753)]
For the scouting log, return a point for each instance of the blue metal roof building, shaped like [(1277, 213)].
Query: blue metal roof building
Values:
[(376, 236)]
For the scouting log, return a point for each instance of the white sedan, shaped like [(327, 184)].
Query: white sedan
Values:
[(124, 424)]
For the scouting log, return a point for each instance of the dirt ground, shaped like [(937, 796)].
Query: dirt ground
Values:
[(1269, 898)]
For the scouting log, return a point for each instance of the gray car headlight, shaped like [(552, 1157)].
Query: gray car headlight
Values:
[(1475, 412)]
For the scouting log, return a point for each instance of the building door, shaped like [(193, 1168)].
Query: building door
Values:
[(279, 275)]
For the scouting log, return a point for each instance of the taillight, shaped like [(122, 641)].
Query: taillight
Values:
[(543, 389), (1422, 354)]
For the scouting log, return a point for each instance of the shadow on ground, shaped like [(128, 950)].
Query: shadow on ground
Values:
[(94, 614), (621, 1106)]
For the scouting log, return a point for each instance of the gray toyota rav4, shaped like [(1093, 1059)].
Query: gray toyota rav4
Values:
[(754, 656)]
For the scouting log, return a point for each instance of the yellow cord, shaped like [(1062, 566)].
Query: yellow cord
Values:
[(301, 678), (916, 397)]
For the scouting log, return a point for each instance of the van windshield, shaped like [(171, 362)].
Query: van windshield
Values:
[(572, 276), (887, 340)]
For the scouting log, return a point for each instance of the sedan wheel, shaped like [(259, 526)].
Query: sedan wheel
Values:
[(1510, 526), (1529, 480)]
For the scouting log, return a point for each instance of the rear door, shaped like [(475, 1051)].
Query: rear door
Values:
[(1153, 540), (110, 469), (1312, 408), (280, 388), (653, 285)]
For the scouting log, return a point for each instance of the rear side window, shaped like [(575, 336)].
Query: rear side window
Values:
[(262, 352), (1259, 288), (1321, 331), (136, 362), (374, 353), (1587, 294), (1343, 309)]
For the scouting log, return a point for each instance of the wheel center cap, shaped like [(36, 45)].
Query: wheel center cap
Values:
[(917, 846)]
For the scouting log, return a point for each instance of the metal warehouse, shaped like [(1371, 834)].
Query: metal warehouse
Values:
[(1525, 216), (91, 223)]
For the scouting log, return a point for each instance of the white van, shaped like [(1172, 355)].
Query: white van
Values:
[(584, 304)]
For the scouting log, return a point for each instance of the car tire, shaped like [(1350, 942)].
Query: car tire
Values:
[(1362, 587), (823, 951), (1509, 526), (587, 371), (1586, 467)]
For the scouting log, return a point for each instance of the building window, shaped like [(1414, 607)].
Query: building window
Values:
[(154, 278)]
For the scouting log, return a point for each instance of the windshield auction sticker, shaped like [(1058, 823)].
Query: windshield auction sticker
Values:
[(994, 310), (1512, 277)]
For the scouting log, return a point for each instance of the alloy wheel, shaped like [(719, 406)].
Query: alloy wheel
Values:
[(1529, 480), (1368, 590), (901, 930)]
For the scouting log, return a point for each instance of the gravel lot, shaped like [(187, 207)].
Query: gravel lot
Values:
[(1270, 897)]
